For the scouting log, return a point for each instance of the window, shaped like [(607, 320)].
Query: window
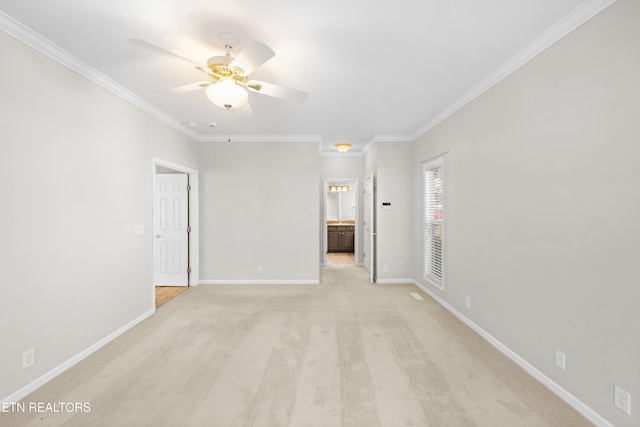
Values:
[(433, 222)]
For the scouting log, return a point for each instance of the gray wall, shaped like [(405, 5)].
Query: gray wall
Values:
[(394, 227), (259, 207), (76, 168), (542, 208)]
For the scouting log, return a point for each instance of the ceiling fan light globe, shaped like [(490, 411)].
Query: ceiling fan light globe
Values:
[(227, 94)]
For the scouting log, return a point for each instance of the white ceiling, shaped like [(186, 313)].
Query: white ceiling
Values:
[(374, 70)]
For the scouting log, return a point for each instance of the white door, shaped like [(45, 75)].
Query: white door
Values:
[(170, 230), (369, 226)]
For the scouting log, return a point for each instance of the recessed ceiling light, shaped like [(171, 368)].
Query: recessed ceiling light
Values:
[(342, 147)]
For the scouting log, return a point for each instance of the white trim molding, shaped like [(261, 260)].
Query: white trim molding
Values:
[(570, 22), (573, 20), (261, 138), (40, 381), (556, 388), (261, 282), (393, 281), (55, 52)]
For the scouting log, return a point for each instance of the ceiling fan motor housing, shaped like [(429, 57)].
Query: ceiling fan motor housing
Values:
[(219, 66)]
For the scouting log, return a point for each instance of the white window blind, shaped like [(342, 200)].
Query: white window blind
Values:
[(434, 222)]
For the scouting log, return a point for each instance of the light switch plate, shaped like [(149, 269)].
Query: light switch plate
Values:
[(560, 360)]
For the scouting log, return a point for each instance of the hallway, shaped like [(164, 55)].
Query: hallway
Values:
[(340, 258)]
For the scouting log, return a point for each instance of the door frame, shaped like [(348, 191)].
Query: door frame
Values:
[(194, 209), (349, 181), (371, 208)]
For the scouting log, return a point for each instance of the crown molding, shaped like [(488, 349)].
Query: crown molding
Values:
[(569, 23), (393, 138), (573, 20), (386, 138), (36, 41), (261, 138), (55, 52)]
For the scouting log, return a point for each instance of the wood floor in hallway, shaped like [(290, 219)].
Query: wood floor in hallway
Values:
[(339, 258), (164, 294)]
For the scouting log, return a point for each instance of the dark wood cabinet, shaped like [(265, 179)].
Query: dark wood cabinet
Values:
[(333, 240), (340, 238), (348, 241)]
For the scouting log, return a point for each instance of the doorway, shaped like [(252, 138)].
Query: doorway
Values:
[(171, 228), (369, 225), (341, 225), (179, 212)]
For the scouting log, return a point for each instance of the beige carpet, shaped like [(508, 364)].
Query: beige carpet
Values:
[(344, 353)]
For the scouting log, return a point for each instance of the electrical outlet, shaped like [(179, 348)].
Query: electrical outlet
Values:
[(560, 360), (386, 268), (467, 302), (260, 269), (28, 358), (622, 400)]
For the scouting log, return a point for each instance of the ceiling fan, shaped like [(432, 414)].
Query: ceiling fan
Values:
[(229, 77)]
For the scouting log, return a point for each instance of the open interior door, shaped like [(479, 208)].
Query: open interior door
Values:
[(170, 230), (369, 227)]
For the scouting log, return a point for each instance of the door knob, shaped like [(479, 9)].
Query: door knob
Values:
[(158, 236)]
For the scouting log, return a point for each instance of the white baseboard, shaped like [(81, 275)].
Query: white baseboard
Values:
[(261, 282), (42, 380), (393, 281), (577, 404)]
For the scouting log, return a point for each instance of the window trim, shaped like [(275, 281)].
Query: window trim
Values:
[(427, 166)]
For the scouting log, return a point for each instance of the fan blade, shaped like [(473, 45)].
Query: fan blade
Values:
[(278, 91), (148, 46), (188, 88), (252, 56)]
